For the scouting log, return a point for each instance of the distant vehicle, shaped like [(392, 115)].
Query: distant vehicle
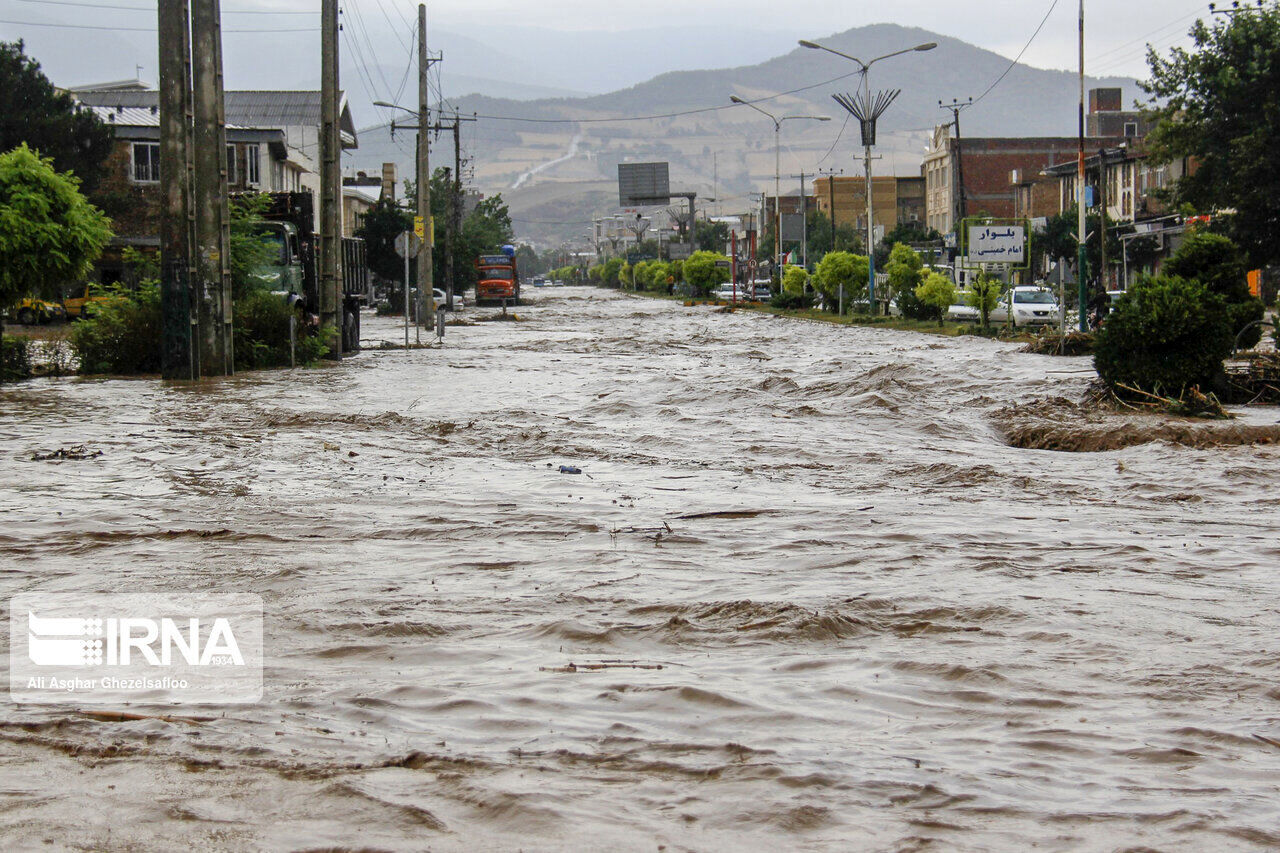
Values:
[(762, 289), (961, 311), (29, 311), (539, 282), (498, 280), (1031, 306), (727, 293), (85, 304), (557, 283)]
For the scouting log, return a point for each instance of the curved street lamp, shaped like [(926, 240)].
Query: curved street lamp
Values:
[(777, 179), (864, 68)]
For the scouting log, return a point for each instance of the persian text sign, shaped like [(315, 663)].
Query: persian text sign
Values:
[(997, 244), (135, 648)]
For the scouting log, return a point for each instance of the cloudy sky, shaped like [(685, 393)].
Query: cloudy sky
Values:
[(1116, 32)]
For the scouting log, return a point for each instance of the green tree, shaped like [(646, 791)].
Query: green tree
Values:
[(794, 280), (49, 233), (912, 232), (1059, 241), (49, 121), (1219, 103), (612, 270), (379, 228), (938, 292), (984, 294), (906, 270), (818, 232), (1217, 263), (1164, 335), (703, 274), (710, 236), (250, 253), (837, 269)]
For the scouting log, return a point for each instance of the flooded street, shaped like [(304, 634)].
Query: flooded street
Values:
[(803, 596)]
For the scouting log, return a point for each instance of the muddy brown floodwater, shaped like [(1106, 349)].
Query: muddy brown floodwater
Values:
[(838, 610)]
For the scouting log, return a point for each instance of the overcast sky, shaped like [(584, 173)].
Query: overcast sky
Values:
[(81, 42), (1115, 32)]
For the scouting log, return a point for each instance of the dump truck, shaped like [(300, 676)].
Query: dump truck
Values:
[(497, 280), (287, 224)]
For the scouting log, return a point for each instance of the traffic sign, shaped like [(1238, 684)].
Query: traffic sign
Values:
[(408, 244), (419, 229)]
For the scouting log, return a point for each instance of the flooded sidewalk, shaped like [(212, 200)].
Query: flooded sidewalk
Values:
[(802, 596)]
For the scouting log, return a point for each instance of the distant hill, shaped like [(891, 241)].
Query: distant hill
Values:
[(726, 151)]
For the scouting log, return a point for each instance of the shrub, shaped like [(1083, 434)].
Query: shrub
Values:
[(15, 359), (1218, 264), (842, 268), (794, 280), (702, 273), (123, 335), (938, 292), (793, 301), (1165, 335), (984, 294), (906, 271)]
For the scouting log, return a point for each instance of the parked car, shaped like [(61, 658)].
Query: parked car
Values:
[(961, 311), (727, 293), (30, 311), (85, 304), (1031, 306), (762, 289)]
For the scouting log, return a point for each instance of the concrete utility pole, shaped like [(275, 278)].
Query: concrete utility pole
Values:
[(330, 177), (426, 273), (179, 354), (831, 199), (804, 223), (956, 106), (210, 191), (1082, 258)]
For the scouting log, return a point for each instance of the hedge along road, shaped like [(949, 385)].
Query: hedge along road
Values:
[(802, 595)]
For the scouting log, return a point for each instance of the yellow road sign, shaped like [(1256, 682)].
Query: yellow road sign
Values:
[(418, 228)]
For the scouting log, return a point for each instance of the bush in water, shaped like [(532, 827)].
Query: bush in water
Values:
[(15, 359), (123, 335), (1165, 335)]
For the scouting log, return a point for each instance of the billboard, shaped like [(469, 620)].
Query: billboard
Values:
[(793, 227), (642, 184)]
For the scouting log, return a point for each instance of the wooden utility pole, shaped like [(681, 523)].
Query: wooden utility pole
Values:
[(426, 273), (180, 351), (210, 191), (330, 177)]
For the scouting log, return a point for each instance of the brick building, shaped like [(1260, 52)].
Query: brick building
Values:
[(1002, 176), (894, 200)]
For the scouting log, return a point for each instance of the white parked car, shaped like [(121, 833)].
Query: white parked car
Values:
[(961, 311), (1031, 306)]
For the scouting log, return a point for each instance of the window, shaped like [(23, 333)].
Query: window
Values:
[(231, 164), (146, 162), (1130, 128), (251, 175)]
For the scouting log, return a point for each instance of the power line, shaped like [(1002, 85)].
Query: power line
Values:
[(147, 29), (152, 9), (1018, 58)]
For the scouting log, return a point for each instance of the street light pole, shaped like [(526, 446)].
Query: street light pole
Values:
[(865, 68), (777, 174)]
